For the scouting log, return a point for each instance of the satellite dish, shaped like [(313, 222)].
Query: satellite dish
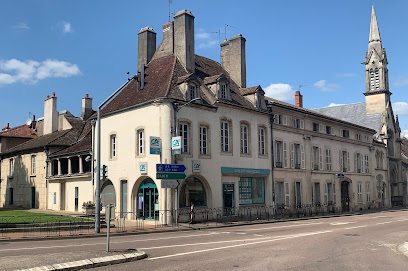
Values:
[(28, 122)]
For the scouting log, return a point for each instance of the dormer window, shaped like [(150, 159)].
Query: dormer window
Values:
[(192, 92)]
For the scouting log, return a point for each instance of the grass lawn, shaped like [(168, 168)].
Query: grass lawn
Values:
[(17, 217)]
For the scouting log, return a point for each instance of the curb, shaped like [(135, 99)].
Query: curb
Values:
[(92, 263)]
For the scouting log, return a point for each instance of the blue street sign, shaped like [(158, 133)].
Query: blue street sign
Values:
[(170, 168)]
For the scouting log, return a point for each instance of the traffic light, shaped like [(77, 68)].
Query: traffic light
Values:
[(104, 172)]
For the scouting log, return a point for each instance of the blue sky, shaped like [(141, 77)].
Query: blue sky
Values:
[(77, 47)]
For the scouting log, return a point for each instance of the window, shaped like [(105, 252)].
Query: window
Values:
[(329, 194), (316, 127), (316, 194), (192, 92), (11, 196), (358, 137), (358, 162), (279, 195), (261, 141), (297, 158), (359, 193), (298, 194), (345, 133), (244, 139), (113, 145), (223, 91), (379, 159), (328, 159), (225, 133), (377, 79), (344, 161), (184, 132), (141, 146), (280, 119), (33, 158), (316, 159), (366, 164), (251, 191), (298, 123), (204, 140), (11, 167), (278, 154), (55, 197), (192, 191), (368, 194), (329, 130)]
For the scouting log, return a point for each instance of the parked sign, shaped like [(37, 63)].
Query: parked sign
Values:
[(155, 145)]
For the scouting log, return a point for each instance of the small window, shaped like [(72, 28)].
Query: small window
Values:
[(261, 141), (244, 139), (315, 127), (346, 133), (33, 161), (368, 194), (184, 132), (55, 198), (298, 123), (204, 140), (113, 145), (359, 192), (11, 196), (329, 130), (225, 134), (11, 167), (192, 92), (223, 91), (141, 146), (358, 137), (328, 159), (316, 194)]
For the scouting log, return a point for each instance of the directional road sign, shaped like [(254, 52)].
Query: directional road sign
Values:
[(169, 184), (170, 175), (170, 168)]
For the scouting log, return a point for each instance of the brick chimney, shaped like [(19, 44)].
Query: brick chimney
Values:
[(86, 107), (184, 39), (233, 59), (298, 99), (146, 46), (50, 114)]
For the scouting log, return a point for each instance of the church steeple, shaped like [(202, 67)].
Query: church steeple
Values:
[(375, 60)]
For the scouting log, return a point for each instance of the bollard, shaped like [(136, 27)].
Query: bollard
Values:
[(108, 211)]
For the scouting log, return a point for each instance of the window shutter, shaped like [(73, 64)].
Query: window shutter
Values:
[(287, 194), (311, 158), (341, 133), (320, 159), (334, 193), (348, 161), (355, 162), (302, 156), (302, 124), (326, 199), (362, 163), (341, 161), (276, 118), (294, 122), (321, 128), (285, 120), (292, 155), (333, 131), (274, 153), (285, 154)]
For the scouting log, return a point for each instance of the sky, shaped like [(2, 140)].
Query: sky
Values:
[(78, 47)]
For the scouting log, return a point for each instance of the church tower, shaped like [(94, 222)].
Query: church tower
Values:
[(376, 73)]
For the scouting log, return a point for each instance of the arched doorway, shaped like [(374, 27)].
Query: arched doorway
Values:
[(192, 191), (345, 196), (108, 194), (147, 200)]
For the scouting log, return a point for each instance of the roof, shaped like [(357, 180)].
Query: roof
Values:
[(19, 131), (404, 150), (250, 90), (161, 78), (317, 112), (354, 113)]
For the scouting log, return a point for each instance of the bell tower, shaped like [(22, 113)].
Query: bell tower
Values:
[(376, 72)]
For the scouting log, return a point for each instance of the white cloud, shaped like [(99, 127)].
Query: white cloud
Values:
[(205, 39), (333, 104), (347, 74), (324, 86), (30, 71), (400, 108), (404, 133), (66, 27), (282, 92), (401, 81), (23, 26)]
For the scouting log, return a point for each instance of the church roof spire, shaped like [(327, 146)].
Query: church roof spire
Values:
[(374, 31)]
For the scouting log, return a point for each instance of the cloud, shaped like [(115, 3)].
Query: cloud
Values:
[(401, 81), (282, 92), (205, 39), (23, 26), (349, 74), (404, 133), (66, 27), (30, 71), (400, 108), (333, 104), (323, 86)]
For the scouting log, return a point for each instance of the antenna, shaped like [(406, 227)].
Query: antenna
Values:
[(219, 39), (226, 29), (170, 9)]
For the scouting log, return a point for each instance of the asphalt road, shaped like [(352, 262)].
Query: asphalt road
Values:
[(362, 242)]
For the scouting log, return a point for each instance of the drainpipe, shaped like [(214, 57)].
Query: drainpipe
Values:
[(271, 120)]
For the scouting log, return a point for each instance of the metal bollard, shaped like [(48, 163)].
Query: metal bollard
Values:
[(108, 210)]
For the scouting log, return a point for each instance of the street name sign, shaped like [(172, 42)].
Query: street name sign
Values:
[(169, 183), (170, 175), (170, 168)]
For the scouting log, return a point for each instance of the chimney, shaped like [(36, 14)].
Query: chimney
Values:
[(184, 39), (86, 107), (50, 114), (166, 46), (146, 45), (33, 123), (233, 59), (298, 99)]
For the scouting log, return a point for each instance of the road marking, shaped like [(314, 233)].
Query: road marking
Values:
[(356, 227), (381, 216), (258, 235), (227, 232), (286, 226), (240, 245), (402, 220), (382, 223), (112, 242), (241, 233), (341, 223)]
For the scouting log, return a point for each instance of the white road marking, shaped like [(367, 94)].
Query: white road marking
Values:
[(402, 220), (240, 245), (227, 232), (112, 242), (356, 227), (381, 216), (282, 227), (241, 232), (258, 235), (382, 223), (341, 223)]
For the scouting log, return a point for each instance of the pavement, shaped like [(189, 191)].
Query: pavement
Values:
[(90, 259)]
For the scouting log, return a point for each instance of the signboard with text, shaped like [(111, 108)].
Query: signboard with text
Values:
[(155, 145), (176, 145)]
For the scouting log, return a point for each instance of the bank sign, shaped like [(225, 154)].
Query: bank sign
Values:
[(244, 171), (155, 145), (176, 145)]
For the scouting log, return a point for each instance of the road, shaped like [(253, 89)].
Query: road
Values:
[(361, 242)]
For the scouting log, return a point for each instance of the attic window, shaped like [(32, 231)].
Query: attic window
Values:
[(223, 91), (192, 92)]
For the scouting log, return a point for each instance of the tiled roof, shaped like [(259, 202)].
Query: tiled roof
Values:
[(211, 79), (250, 90), (161, 78), (404, 150), (19, 131), (354, 113)]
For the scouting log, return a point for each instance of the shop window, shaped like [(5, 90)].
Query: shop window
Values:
[(251, 191), (192, 191)]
